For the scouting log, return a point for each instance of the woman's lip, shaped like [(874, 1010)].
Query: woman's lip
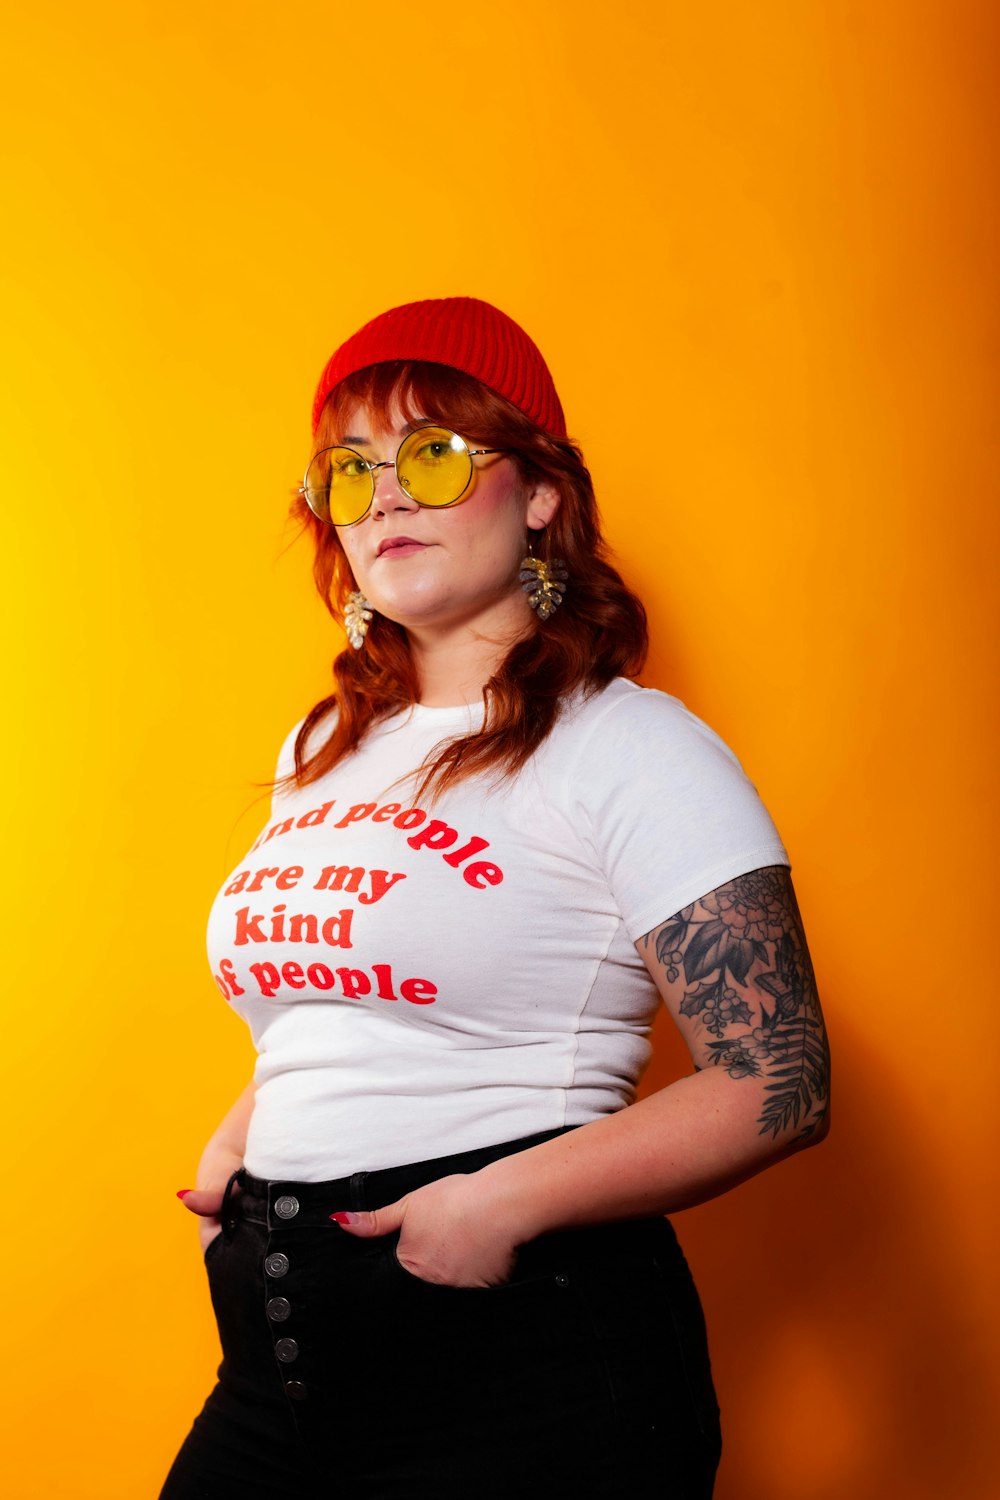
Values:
[(400, 546)]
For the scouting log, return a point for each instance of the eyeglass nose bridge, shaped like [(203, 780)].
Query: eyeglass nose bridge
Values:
[(373, 471)]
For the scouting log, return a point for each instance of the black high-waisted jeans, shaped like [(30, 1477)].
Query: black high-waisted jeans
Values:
[(585, 1375)]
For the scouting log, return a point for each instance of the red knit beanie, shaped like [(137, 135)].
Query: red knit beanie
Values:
[(464, 333)]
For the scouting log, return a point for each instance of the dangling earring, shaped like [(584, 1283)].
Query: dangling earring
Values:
[(357, 613), (543, 582)]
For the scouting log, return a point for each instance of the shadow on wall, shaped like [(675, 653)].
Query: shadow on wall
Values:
[(848, 1362)]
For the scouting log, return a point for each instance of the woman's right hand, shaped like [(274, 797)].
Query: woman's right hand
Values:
[(207, 1203), (206, 1200), (220, 1159)]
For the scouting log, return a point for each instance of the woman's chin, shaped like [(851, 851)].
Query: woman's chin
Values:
[(436, 613)]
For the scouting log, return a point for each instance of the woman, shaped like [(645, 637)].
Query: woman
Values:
[(434, 1223)]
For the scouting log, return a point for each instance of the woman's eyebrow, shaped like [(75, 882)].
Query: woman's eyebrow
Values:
[(404, 431)]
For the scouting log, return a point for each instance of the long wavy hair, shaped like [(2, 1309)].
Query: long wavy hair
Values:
[(597, 634)]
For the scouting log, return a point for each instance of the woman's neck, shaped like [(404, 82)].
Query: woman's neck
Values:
[(454, 668)]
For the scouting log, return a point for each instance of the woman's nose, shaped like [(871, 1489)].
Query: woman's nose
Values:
[(389, 494)]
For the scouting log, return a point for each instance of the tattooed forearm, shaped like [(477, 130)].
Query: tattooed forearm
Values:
[(738, 963)]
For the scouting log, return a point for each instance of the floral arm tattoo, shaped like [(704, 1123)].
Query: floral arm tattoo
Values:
[(737, 968)]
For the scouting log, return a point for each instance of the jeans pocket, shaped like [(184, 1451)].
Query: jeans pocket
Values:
[(229, 1217), (530, 1269), (210, 1251), (513, 1368)]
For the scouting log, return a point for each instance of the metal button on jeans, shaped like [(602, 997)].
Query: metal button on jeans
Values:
[(287, 1207), (276, 1264), (286, 1350), (278, 1309), (296, 1389)]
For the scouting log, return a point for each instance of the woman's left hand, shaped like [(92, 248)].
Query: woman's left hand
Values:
[(451, 1232)]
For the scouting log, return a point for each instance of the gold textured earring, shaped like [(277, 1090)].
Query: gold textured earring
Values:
[(543, 582), (357, 613)]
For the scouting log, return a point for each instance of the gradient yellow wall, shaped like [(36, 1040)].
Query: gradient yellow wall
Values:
[(755, 242)]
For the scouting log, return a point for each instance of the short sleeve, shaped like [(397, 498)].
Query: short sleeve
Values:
[(666, 807)]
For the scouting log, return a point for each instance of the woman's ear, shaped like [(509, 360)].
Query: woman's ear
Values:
[(543, 502)]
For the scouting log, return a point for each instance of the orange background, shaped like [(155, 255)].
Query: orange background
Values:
[(755, 242)]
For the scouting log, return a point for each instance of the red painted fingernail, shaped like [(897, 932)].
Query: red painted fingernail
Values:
[(183, 1191), (345, 1218)]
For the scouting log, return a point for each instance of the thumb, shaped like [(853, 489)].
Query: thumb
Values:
[(204, 1201), (369, 1225)]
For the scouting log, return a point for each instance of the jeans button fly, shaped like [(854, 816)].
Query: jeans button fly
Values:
[(286, 1350), (276, 1264), (278, 1309), (286, 1207)]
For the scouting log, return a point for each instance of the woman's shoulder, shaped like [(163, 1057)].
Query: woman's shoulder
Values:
[(661, 800), (636, 722)]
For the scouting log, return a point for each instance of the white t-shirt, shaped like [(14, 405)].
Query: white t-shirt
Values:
[(426, 978)]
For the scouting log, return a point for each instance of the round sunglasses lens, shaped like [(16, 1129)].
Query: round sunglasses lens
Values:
[(338, 486), (434, 466)]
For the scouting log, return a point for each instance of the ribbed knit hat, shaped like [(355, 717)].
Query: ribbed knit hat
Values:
[(465, 334)]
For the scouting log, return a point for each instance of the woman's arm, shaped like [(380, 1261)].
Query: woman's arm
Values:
[(735, 973), (222, 1155), (734, 970)]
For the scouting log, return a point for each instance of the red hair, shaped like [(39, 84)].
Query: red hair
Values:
[(598, 633)]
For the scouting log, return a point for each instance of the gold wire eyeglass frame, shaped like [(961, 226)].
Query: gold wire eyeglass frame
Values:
[(306, 491)]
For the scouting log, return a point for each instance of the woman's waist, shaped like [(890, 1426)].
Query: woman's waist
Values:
[(288, 1204), (282, 1200)]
